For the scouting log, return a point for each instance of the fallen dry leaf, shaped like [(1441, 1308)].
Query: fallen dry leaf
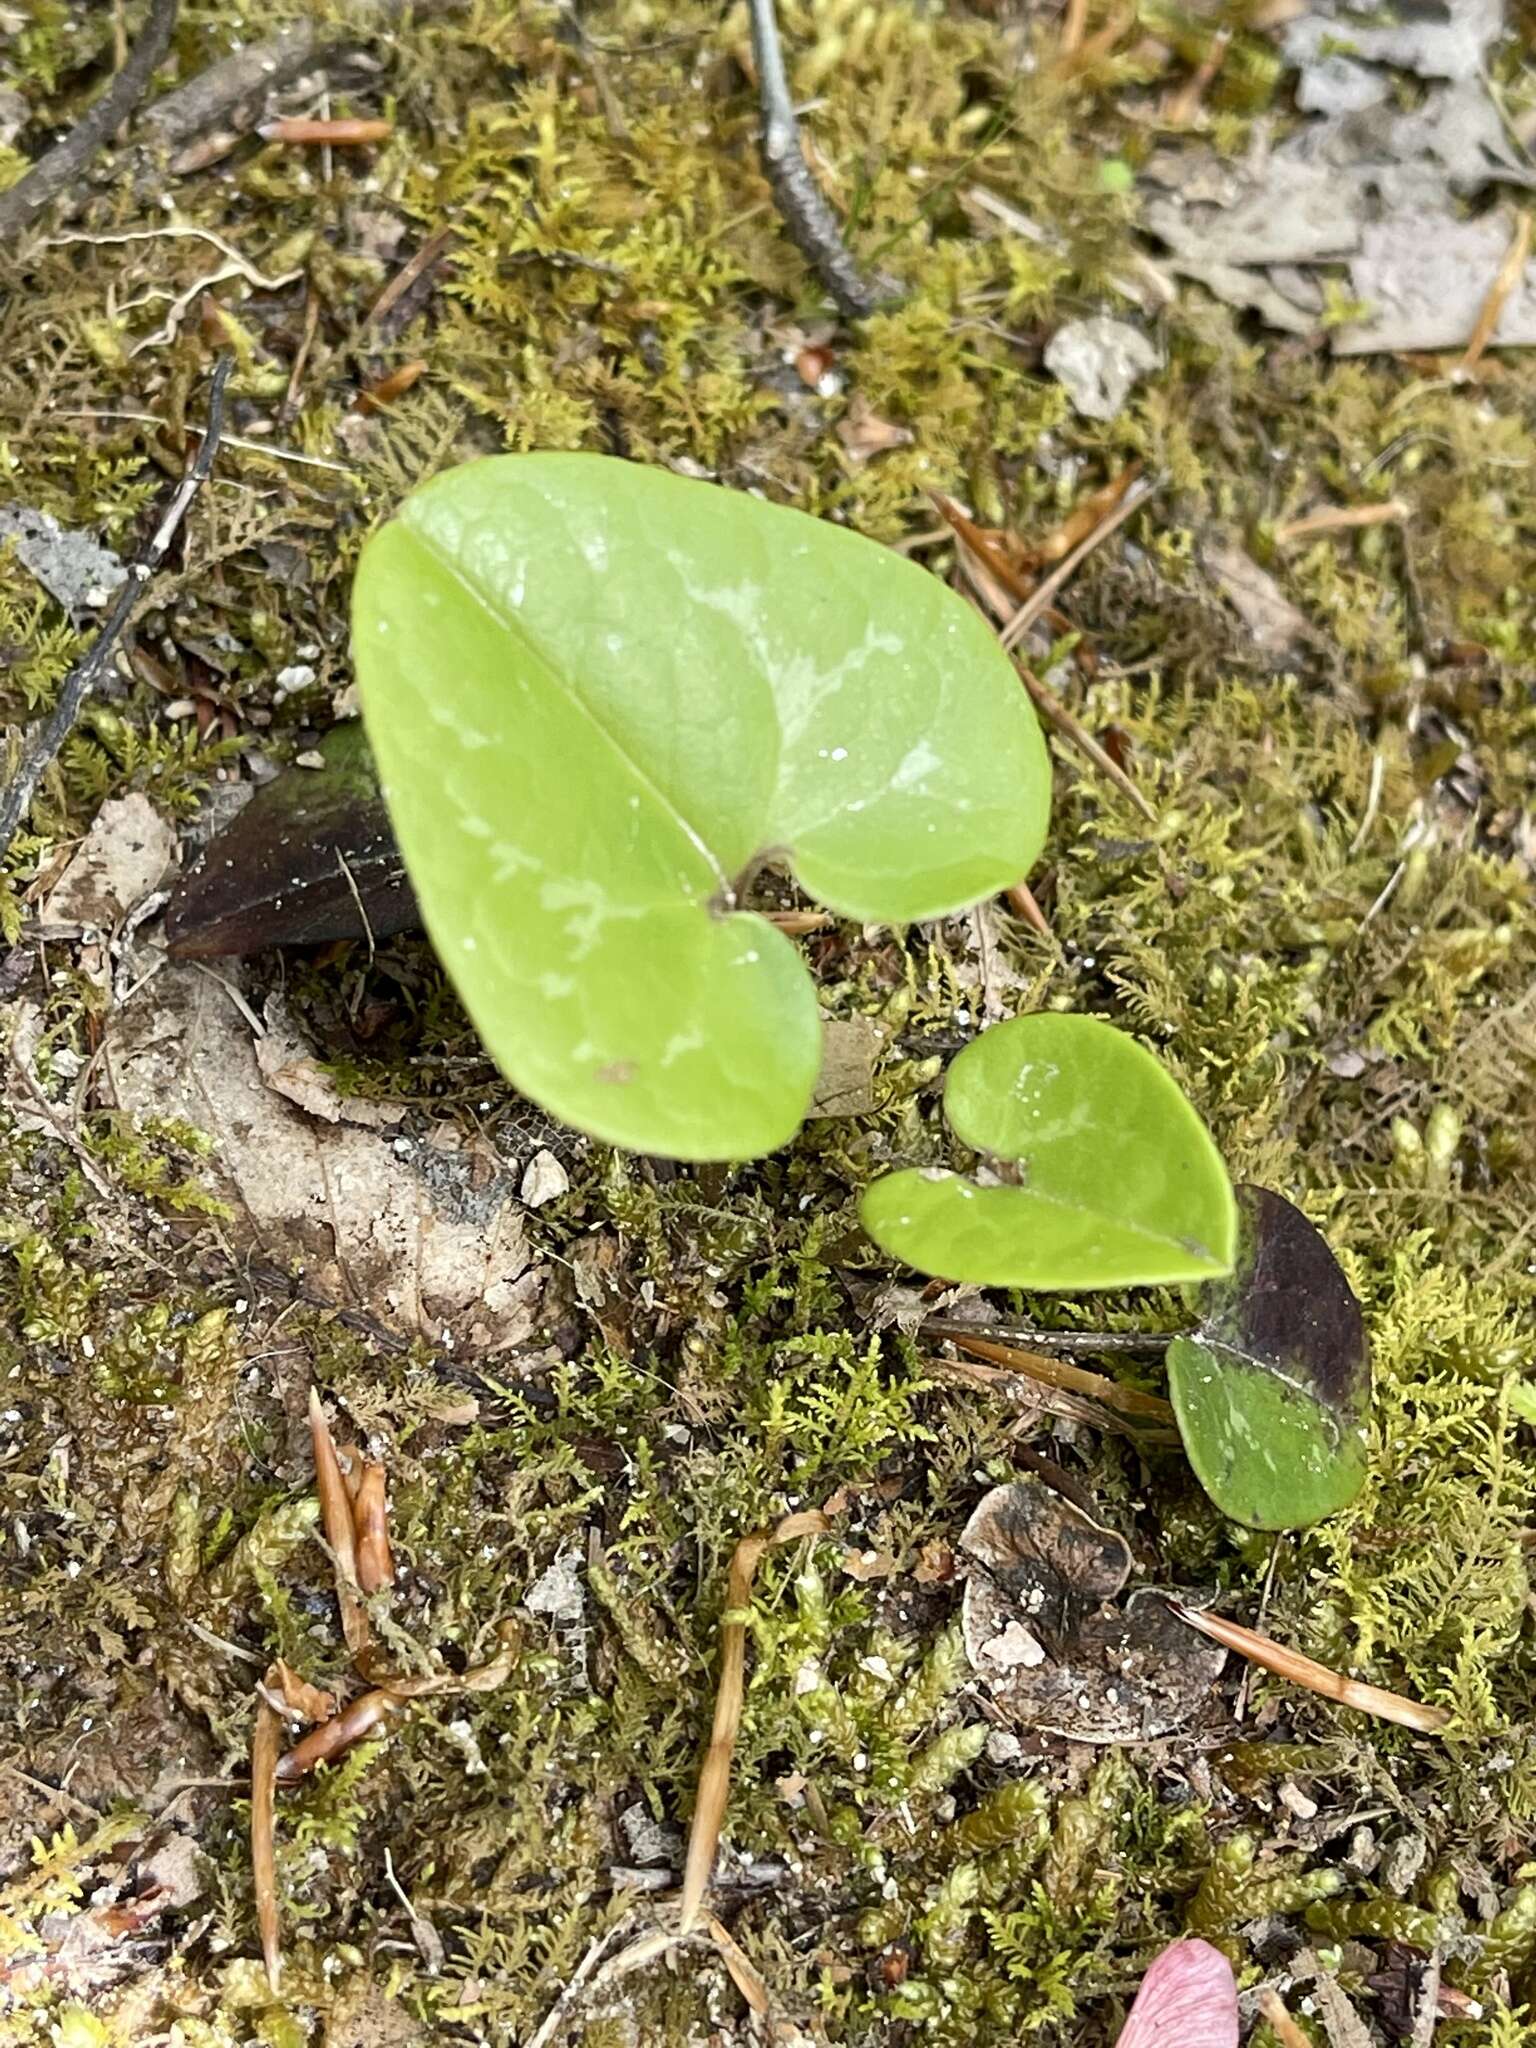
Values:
[(863, 433), (845, 1086), (1275, 626), (1045, 1633), (289, 1065), (382, 1221), (121, 861)]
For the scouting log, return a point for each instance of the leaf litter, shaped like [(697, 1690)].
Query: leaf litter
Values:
[(1364, 194), (391, 1222)]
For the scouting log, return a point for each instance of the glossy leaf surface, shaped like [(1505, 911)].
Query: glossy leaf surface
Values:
[(599, 694), (1272, 1391), (311, 857), (1106, 1176)]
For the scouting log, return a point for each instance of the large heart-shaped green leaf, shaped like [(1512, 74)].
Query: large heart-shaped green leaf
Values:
[(1272, 1391), (1106, 1176), (599, 694)]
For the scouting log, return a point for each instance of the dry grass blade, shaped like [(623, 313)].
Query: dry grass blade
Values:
[(1183, 105), (336, 1519), (370, 1523), (1036, 1397), (266, 1741), (1284, 2028), (715, 1775), (1348, 1692), (1040, 597), (1074, 1379), (1509, 274), (1332, 518)]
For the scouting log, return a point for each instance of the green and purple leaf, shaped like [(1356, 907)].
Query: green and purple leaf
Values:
[(1272, 1391)]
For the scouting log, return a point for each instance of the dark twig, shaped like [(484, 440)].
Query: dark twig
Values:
[(51, 734), (803, 206), (63, 164)]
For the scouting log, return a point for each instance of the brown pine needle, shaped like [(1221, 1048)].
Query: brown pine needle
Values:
[(414, 266), (364, 1717), (339, 134), (1285, 2029), (266, 1741), (1021, 899), (1074, 21), (715, 1775), (797, 923), (1001, 571), (1050, 706), (1504, 284), (370, 1522), (982, 546), (1348, 1692), (1183, 105), (1040, 597), (336, 1519), (1333, 517), (1075, 1379)]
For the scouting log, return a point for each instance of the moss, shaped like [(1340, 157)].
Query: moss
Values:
[(1326, 933)]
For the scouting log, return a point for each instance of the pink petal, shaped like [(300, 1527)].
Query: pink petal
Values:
[(1188, 1999)]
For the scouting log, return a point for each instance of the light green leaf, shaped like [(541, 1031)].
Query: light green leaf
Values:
[(1272, 1391), (598, 695), (1107, 1177)]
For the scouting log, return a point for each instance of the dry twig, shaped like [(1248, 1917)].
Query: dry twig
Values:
[(52, 731), (1348, 1692), (803, 206), (62, 166), (337, 134)]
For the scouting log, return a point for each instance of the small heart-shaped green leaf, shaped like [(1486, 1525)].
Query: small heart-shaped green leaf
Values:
[(599, 694), (1271, 1392), (1107, 1176)]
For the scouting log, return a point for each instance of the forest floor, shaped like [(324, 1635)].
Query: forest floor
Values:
[(565, 240)]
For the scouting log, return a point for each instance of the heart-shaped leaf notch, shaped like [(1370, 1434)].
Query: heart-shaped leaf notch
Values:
[(1272, 1390), (600, 695), (1105, 1176)]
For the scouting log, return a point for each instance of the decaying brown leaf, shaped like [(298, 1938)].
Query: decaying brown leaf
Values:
[(1048, 1637), (377, 1220)]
